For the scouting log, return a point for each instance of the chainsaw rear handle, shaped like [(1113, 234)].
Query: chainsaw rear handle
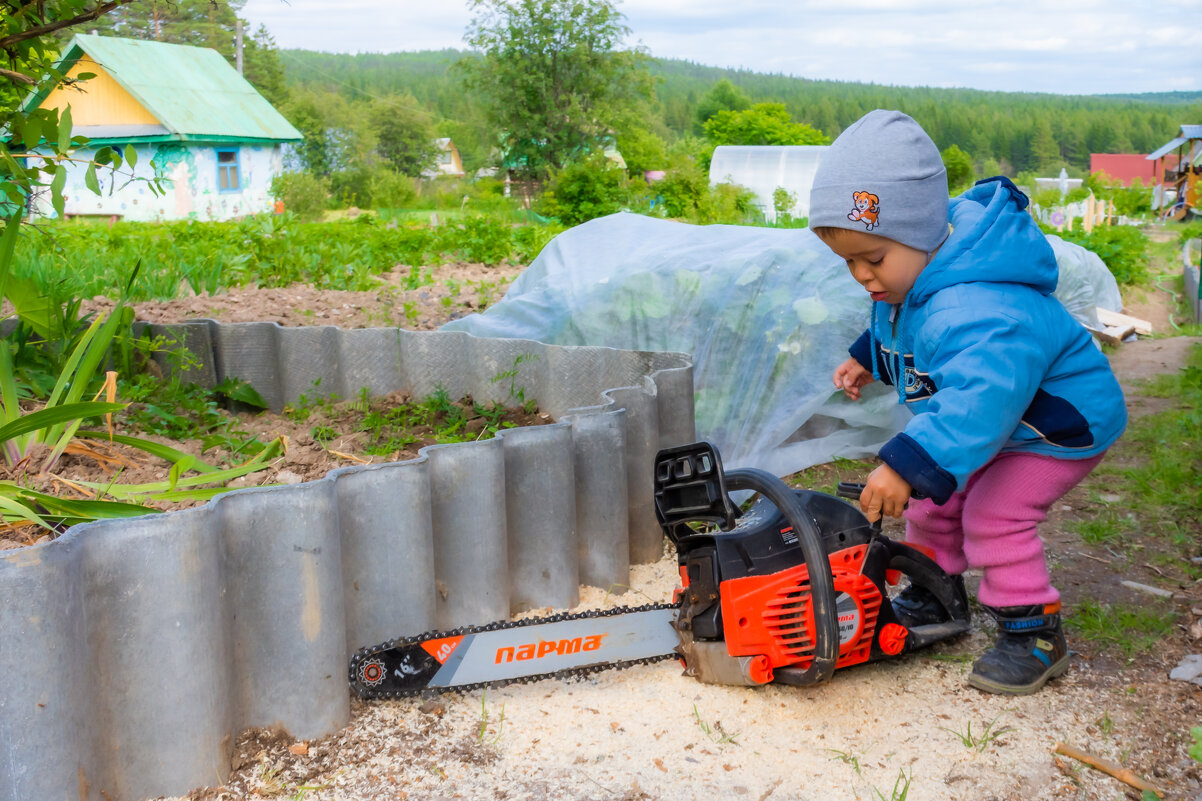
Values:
[(822, 584)]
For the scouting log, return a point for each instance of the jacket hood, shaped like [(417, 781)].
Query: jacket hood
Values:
[(993, 240)]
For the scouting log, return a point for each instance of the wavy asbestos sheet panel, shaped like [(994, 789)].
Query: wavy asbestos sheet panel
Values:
[(134, 651)]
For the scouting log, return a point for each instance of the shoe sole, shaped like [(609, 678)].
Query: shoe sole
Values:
[(986, 685)]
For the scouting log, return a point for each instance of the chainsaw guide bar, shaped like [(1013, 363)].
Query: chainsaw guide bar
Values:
[(515, 652)]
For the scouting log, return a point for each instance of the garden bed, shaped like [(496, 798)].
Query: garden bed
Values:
[(908, 728)]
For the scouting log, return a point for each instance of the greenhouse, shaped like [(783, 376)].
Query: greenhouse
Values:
[(763, 169)]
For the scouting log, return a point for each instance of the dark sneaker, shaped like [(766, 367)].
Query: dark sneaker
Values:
[(917, 606), (1030, 649)]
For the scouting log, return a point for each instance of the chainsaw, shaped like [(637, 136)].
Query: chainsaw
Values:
[(787, 591)]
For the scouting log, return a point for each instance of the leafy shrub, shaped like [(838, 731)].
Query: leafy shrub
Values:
[(477, 239), (390, 190), (685, 193), (529, 241), (1123, 248), (585, 190), (959, 169), (1192, 230), (303, 193), (1130, 201), (351, 187)]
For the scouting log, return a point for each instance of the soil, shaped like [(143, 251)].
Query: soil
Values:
[(448, 291), (907, 728)]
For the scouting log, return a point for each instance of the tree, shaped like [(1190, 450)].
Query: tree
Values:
[(722, 96), (202, 23), (261, 66), (404, 134), (552, 77), (959, 169), (1045, 153), (762, 124), (306, 114)]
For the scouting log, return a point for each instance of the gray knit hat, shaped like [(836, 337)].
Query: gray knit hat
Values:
[(883, 175)]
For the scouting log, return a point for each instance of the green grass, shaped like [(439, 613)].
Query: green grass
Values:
[(1165, 485), (1106, 529), (826, 477), (980, 741), (1158, 489), (1130, 628)]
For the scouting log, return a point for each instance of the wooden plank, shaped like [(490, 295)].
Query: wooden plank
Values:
[(1112, 335), (1114, 319)]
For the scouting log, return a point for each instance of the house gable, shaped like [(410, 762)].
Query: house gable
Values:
[(103, 102)]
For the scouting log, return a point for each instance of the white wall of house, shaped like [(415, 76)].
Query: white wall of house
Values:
[(192, 186)]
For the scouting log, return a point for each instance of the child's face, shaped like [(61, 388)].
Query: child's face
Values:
[(887, 269)]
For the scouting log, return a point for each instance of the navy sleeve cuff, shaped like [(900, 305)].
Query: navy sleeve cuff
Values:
[(861, 350), (916, 466)]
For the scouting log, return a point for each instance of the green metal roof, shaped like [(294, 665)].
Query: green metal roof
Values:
[(192, 91)]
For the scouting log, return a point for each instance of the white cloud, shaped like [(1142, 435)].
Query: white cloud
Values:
[(1072, 46)]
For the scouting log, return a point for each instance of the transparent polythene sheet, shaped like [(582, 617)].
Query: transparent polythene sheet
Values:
[(767, 314)]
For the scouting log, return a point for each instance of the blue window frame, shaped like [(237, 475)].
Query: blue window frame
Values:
[(229, 177)]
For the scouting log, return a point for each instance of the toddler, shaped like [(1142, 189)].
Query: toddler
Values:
[(1013, 404)]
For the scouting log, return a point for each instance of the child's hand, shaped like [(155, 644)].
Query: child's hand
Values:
[(886, 492), (850, 376)]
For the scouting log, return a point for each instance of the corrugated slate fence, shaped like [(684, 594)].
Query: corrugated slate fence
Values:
[(134, 651)]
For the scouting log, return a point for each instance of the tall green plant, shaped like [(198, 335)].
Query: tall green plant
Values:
[(552, 77)]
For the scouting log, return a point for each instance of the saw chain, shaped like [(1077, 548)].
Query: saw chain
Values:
[(464, 659)]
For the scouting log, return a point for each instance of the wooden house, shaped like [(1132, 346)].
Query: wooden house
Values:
[(191, 118), (447, 162), (1176, 191)]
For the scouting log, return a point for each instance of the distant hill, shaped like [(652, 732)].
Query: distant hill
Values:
[(1020, 131)]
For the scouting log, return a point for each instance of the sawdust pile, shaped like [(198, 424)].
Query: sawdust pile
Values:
[(909, 729)]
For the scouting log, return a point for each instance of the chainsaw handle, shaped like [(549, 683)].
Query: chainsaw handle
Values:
[(851, 490), (822, 584)]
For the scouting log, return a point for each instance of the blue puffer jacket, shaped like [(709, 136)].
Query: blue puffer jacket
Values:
[(983, 354)]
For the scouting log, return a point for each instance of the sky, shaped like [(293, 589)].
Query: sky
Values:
[(1063, 47)]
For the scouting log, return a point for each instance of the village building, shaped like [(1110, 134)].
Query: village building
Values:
[(447, 162), (192, 120), (1176, 188), (1127, 168)]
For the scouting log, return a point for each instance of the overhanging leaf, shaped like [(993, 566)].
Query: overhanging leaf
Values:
[(56, 191), (54, 415), (85, 509), (14, 511), (89, 179), (33, 307), (166, 452), (64, 130)]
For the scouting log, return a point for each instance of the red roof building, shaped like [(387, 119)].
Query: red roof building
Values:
[(1126, 167)]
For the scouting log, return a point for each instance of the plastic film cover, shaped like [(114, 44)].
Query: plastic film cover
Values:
[(767, 314)]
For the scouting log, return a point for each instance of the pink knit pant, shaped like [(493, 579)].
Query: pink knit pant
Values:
[(991, 525)]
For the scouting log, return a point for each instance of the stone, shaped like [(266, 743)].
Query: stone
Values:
[(1190, 669)]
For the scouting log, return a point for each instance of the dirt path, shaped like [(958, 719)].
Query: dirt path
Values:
[(648, 733)]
